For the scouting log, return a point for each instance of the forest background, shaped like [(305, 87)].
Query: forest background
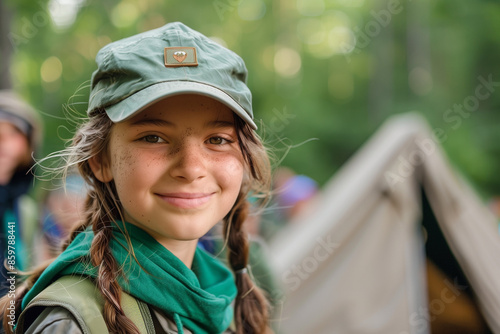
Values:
[(325, 74)]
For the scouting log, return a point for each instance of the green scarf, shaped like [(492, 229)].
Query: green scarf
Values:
[(199, 299)]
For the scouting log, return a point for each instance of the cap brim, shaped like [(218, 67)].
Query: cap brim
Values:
[(151, 94)]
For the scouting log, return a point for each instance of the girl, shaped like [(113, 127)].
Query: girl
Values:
[(168, 151)]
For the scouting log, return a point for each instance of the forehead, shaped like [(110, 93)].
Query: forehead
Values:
[(7, 126), (186, 109)]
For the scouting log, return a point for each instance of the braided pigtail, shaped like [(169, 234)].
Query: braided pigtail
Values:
[(107, 282), (251, 307), (102, 210), (251, 311)]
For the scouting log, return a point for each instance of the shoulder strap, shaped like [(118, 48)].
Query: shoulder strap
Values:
[(80, 296)]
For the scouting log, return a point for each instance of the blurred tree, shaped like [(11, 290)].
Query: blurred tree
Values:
[(5, 47), (327, 70)]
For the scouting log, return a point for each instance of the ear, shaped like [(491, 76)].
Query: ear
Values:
[(101, 168)]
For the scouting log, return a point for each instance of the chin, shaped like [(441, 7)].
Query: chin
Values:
[(189, 235)]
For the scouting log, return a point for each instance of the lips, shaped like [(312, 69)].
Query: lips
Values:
[(186, 200)]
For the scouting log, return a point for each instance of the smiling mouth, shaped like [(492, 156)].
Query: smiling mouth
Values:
[(186, 200)]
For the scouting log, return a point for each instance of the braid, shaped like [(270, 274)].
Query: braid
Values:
[(251, 308), (101, 213), (106, 280), (101, 208)]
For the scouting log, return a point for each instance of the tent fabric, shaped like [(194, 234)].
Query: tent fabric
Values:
[(354, 261)]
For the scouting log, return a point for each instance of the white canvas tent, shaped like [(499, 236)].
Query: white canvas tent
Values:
[(354, 262)]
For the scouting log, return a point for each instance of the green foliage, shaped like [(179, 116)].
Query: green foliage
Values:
[(427, 56)]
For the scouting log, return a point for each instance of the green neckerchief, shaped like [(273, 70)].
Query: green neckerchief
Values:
[(200, 298)]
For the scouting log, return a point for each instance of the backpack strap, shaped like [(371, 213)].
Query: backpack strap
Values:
[(80, 296)]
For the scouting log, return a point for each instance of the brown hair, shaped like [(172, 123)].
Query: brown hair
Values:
[(102, 208), (251, 307)]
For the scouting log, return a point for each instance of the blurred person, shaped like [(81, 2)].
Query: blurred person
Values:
[(295, 194), (63, 209), (292, 194), (20, 130)]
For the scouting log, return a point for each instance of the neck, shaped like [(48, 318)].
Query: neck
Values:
[(183, 250)]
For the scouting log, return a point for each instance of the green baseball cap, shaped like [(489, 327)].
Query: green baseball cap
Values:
[(135, 72)]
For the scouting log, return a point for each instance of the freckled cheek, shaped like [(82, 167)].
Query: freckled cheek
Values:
[(133, 172), (229, 173)]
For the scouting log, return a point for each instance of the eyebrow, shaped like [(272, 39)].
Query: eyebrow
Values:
[(153, 121)]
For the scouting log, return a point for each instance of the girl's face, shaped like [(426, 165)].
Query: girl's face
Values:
[(177, 167), (14, 150)]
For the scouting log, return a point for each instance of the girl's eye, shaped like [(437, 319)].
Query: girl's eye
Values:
[(217, 140), (152, 139)]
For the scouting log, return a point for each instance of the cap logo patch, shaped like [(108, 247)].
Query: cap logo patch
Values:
[(180, 56)]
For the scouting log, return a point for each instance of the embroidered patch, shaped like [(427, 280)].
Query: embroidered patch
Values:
[(180, 56)]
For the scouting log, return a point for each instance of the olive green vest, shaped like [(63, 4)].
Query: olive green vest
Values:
[(82, 298)]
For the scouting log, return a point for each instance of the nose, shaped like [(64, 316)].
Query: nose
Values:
[(188, 162)]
